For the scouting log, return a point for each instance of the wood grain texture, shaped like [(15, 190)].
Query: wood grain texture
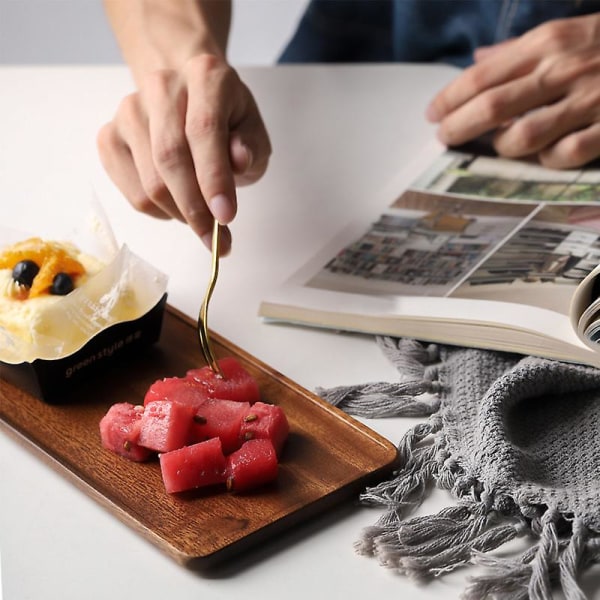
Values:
[(328, 457)]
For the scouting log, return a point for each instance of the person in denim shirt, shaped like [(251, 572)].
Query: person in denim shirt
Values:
[(446, 31), (179, 145)]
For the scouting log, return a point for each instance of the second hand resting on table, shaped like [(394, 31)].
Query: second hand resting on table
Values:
[(192, 132), (539, 92)]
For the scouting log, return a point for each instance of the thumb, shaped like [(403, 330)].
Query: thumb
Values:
[(240, 155), (249, 150)]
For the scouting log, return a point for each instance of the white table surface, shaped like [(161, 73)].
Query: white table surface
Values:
[(339, 134)]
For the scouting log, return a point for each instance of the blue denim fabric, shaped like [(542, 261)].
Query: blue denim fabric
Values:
[(417, 30)]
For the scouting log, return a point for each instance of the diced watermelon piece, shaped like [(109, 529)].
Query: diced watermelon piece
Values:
[(266, 421), (120, 431), (236, 383), (222, 419), (165, 425), (194, 466), (180, 389), (253, 465)]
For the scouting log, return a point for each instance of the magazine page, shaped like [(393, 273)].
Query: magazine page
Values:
[(585, 310), (470, 229)]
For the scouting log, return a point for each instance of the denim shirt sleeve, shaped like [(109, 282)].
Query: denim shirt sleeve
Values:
[(417, 30)]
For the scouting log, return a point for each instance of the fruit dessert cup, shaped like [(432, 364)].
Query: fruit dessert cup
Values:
[(67, 314)]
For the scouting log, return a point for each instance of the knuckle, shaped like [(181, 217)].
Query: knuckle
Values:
[(158, 79), (169, 151), (154, 186), (561, 70), (525, 137), (158, 82), (141, 203), (203, 123), (210, 72), (554, 36), (106, 139), (573, 150), (197, 216), (586, 105), (129, 107), (212, 178), (477, 78), (111, 146), (203, 63), (491, 107), (446, 132), (547, 75)]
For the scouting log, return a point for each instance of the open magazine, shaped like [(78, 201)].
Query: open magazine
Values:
[(477, 251)]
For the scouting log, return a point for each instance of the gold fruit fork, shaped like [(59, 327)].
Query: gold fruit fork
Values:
[(202, 317)]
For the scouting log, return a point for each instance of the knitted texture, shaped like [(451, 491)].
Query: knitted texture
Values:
[(517, 442)]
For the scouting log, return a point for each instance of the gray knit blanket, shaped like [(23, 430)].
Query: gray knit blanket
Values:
[(517, 442)]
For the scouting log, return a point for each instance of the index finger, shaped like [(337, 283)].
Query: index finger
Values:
[(209, 108), (505, 63), (165, 98)]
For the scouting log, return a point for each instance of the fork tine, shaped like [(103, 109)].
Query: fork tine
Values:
[(203, 334)]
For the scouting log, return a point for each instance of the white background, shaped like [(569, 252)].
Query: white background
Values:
[(76, 31)]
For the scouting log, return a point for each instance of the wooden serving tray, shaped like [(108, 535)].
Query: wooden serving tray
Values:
[(328, 457)]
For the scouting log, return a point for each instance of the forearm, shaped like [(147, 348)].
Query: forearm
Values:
[(163, 34)]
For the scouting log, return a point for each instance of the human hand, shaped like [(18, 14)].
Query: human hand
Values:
[(178, 146), (540, 93)]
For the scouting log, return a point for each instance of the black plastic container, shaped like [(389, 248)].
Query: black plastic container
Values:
[(55, 381)]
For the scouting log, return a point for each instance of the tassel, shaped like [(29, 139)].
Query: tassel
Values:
[(366, 545), (409, 356), (420, 465), (422, 567), (545, 559), (407, 489), (570, 561), (427, 546), (532, 575), (508, 581), (379, 400), (406, 448), (415, 396), (399, 494), (451, 526)]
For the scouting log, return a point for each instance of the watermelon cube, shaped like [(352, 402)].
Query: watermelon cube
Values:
[(236, 383), (222, 419), (120, 431), (193, 466), (165, 425), (179, 389), (266, 421), (253, 465)]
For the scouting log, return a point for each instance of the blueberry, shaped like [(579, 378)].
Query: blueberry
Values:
[(62, 284), (24, 272)]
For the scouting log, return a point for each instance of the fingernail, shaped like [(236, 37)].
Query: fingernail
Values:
[(249, 157), (241, 155), (220, 207), (207, 240), (432, 114)]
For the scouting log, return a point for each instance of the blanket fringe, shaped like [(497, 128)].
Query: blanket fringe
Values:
[(423, 547), (550, 562), (407, 489), (379, 400), (415, 396), (571, 561)]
